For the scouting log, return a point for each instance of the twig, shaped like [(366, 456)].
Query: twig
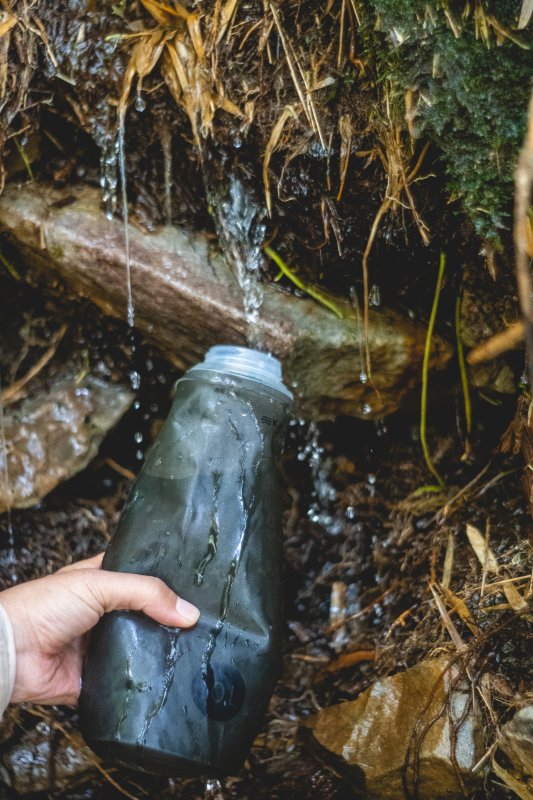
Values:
[(12, 393), (491, 348)]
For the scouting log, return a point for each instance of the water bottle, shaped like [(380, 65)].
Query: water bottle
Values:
[(204, 516)]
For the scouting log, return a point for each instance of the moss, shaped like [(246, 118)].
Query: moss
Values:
[(471, 89)]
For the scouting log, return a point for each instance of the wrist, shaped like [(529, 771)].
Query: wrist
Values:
[(8, 659)]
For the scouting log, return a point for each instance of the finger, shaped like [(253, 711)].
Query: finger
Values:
[(95, 562), (125, 591)]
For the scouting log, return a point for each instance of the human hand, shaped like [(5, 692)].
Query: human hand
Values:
[(51, 615)]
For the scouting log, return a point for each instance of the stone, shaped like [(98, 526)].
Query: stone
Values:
[(405, 732), (54, 434), (187, 299), (513, 761), (44, 760)]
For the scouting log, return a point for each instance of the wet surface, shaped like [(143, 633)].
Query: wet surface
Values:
[(350, 519)]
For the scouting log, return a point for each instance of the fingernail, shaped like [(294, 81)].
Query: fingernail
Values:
[(189, 612)]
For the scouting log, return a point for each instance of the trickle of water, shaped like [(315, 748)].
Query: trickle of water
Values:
[(108, 172), (240, 225), (11, 557), (213, 790), (121, 135)]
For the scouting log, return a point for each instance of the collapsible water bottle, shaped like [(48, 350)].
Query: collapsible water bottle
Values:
[(204, 516)]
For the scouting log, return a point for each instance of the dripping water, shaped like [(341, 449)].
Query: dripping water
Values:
[(113, 167), (11, 558), (240, 224), (108, 174), (121, 133), (321, 510), (213, 790)]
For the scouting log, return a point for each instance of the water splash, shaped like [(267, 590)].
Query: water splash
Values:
[(322, 510), (213, 790), (240, 224), (11, 557)]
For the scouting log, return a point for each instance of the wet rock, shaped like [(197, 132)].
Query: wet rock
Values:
[(54, 435), (414, 729), (187, 299), (44, 760), (513, 761)]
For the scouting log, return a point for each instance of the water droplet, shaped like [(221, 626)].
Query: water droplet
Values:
[(374, 298), (367, 409), (135, 380), (139, 455), (136, 405), (138, 437), (140, 103), (213, 790), (523, 379), (350, 512), (363, 377)]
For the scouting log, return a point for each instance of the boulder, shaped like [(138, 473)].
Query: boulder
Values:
[(411, 734), (54, 434)]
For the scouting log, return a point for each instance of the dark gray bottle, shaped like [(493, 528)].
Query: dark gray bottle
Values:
[(203, 515)]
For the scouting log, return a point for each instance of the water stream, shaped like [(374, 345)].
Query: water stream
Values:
[(121, 133), (240, 223)]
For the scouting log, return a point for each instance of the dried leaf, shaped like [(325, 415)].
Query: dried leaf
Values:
[(195, 32), (271, 148), (485, 556), (165, 15), (144, 56), (9, 22), (448, 561), (226, 16), (526, 13), (516, 786), (458, 606), (515, 599)]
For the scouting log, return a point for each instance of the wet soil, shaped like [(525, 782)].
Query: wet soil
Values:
[(351, 519)]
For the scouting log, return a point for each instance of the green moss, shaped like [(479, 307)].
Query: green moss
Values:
[(472, 95)]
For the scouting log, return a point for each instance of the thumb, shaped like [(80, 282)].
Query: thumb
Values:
[(113, 591)]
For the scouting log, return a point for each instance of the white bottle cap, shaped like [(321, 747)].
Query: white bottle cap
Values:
[(246, 363)]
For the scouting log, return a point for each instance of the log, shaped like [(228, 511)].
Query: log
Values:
[(187, 299)]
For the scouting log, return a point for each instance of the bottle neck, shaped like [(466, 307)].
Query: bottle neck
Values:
[(245, 362)]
